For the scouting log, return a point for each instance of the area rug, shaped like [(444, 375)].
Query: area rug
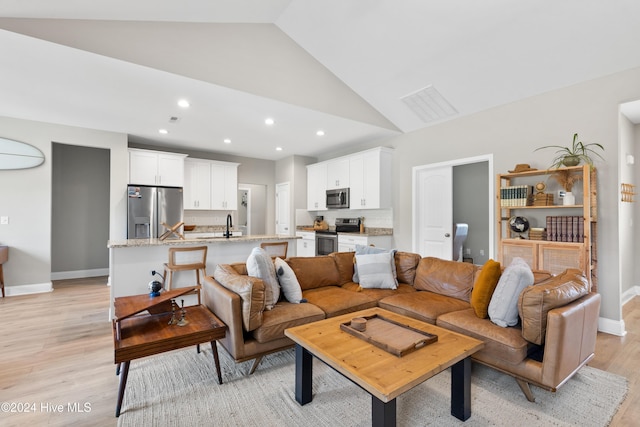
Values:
[(180, 389)]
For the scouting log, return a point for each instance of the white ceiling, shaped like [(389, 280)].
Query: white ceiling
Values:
[(341, 66)]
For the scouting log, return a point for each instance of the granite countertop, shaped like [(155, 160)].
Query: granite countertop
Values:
[(132, 243), (368, 231)]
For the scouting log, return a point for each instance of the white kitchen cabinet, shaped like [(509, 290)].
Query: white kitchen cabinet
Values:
[(211, 185), (224, 186), (148, 167), (347, 242), (338, 173), (197, 184), (307, 245), (317, 187), (370, 179), (367, 174)]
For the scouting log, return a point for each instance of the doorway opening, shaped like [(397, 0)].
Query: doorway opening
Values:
[(457, 191), (79, 211), (252, 205)]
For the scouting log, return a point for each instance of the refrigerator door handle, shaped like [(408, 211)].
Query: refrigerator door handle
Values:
[(155, 229)]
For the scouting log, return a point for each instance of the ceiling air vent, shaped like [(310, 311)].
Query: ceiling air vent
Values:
[(429, 105)]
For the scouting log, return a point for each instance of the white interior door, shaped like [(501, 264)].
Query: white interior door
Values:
[(433, 212), (283, 215)]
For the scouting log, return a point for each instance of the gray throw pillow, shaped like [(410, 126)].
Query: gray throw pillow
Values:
[(503, 308), (365, 250), (260, 264), (288, 282), (375, 271)]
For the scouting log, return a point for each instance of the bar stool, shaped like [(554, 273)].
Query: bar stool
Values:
[(275, 249), (184, 259)]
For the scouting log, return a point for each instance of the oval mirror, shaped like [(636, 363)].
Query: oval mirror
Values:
[(19, 155)]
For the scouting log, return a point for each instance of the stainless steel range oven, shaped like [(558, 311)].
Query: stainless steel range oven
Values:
[(327, 240)]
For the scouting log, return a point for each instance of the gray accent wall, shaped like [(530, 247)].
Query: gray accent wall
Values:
[(79, 211), (471, 206)]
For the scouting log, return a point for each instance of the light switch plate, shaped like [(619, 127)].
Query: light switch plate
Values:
[(4, 220)]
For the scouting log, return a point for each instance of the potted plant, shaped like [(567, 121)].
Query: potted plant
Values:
[(566, 178), (572, 156)]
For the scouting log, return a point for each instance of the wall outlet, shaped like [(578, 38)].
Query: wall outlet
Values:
[(481, 252), (467, 251), (4, 220)]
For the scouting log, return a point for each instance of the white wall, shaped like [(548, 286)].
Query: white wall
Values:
[(25, 196)]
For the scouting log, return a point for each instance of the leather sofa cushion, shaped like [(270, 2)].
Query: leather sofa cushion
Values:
[(536, 301), (335, 301), (251, 292), (378, 294), (315, 272), (450, 278), (505, 344), (344, 262), (406, 265), (285, 315), (424, 305)]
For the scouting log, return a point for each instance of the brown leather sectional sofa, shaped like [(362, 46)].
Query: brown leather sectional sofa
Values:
[(564, 333)]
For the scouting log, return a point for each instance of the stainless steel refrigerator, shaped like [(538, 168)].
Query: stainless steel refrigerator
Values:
[(149, 207)]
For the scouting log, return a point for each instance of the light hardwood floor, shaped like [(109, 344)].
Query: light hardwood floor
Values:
[(56, 355)]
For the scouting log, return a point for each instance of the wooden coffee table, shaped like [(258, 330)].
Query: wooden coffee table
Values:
[(382, 374), (137, 335)]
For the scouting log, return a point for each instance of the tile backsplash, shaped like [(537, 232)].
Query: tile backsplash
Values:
[(378, 218)]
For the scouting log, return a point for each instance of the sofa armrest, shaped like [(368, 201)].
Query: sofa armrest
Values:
[(227, 305), (570, 340)]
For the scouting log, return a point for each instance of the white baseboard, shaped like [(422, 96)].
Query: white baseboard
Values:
[(629, 294), (79, 274), (33, 288), (614, 327)]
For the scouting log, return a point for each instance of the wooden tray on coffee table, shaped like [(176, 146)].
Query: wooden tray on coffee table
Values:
[(389, 335)]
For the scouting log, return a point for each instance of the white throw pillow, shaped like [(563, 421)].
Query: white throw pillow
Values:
[(366, 250), (288, 282), (259, 264), (375, 271), (503, 308)]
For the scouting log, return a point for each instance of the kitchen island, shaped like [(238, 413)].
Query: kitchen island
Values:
[(131, 261)]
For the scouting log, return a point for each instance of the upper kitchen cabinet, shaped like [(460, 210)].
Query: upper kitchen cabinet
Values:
[(338, 173), (367, 174), (370, 179), (317, 187), (156, 168), (210, 185), (224, 186), (197, 184)]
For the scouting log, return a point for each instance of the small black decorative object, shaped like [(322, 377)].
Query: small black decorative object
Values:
[(155, 286)]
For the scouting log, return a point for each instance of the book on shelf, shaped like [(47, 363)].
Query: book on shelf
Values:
[(565, 228), (515, 195)]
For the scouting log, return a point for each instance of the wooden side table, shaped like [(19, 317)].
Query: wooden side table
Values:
[(4, 256), (137, 335)]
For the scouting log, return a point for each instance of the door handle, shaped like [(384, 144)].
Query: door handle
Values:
[(447, 235)]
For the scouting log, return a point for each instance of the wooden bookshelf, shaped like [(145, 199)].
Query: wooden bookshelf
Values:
[(552, 255)]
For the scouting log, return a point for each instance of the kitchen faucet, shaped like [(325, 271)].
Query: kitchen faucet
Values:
[(229, 225)]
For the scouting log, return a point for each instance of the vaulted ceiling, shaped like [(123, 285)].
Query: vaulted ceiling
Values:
[(360, 70)]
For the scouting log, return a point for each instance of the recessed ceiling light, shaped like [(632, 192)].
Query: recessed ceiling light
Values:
[(320, 133), (269, 121), (183, 103), (278, 148), (163, 131), (227, 141)]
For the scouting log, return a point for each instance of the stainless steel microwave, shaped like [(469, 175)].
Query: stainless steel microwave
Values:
[(338, 198)]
